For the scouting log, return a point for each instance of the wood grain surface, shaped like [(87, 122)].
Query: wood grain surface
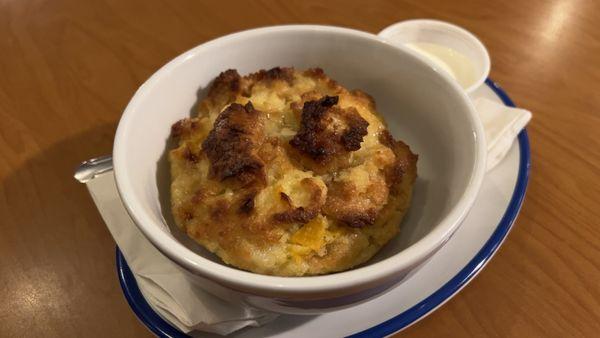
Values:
[(69, 67)]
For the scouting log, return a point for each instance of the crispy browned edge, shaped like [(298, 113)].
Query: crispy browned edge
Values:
[(320, 144), (232, 145)]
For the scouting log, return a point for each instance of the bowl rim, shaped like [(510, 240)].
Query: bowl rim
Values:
[(446, 27), (257, 283)]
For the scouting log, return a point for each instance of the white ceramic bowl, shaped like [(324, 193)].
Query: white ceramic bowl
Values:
[(424, 108), (443, 34)]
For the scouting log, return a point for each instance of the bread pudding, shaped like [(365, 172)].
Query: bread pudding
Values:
[(286, 172)]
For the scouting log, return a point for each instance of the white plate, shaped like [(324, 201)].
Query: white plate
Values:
[(434, 283)]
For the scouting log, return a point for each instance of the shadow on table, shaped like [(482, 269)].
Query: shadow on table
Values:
[(58, 243), (49, 203)]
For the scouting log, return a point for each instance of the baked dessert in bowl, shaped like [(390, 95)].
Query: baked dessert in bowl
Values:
[(422, 107), (288, 173)]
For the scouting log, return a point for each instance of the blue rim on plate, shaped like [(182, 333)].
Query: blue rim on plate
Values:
[(162, 328)]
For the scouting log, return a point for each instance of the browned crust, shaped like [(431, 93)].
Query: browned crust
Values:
[(276, 73), (189, 155), (357, 129), (284, 197), (247, 205), (305, 213), (187, 215), (316, 73), (219, 210), (223, 90), (183, 128), (321, 143), (300, 215), (227, 82), (296, 106), (359, 219), (317, 196), (310, 138), (386, 138), (349, 207), (232, 144), (319, 75), (405, 162), (198, 196)]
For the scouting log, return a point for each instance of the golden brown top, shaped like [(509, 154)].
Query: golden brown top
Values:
[(281, 168)]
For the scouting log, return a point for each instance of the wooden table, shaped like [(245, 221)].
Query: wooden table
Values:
[(69, 67)]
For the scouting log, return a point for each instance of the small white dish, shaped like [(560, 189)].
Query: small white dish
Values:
[(423, 107), (439, 41)]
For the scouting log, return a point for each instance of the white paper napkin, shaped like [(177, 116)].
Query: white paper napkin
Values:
[(167, 287), (501, 125)]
